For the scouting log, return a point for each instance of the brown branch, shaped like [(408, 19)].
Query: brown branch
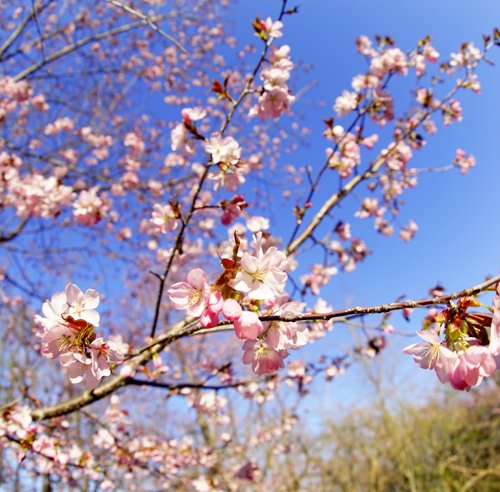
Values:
[(5, 237), (359, 310), (179, 386), (185, 329)]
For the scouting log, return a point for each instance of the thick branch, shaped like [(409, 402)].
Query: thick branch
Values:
[(114, 383), (186, 328)]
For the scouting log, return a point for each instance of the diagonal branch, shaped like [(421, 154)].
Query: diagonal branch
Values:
[(5, 237), (19, 29), (82, 42), (148, 21)]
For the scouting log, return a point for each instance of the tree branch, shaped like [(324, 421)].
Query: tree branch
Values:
[(82, 42)]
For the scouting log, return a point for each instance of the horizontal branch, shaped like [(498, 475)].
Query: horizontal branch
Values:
[(361, 311), (186, 328), (180, 386)]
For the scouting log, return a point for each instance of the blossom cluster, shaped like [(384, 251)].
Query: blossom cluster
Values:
[(255, 279), (275, 98), (66, 330), (470, 350)]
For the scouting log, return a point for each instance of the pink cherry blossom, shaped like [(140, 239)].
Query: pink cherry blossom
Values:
[(193, 114), (392, 60), (163, 218), (192, 295), (345, 103), (287, 335), (272, 28), (231, 310), (263, 358), (263, 276), (90, 366), (210, 315), (472, 366), (463, 161), (407, 233), (181, 140), (90, 208), (272, 104), (223, 149), (72, 302), (432, 355)]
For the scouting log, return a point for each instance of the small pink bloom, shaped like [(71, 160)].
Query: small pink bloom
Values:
[(473, 365), (263, 358), (272, 28), (163, 218), (262, 276), (223, 149), (432, 355), (191, 295)]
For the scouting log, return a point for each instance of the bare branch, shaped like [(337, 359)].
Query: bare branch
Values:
[(148, 21)]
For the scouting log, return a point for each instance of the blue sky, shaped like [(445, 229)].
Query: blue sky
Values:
[(458, 240)]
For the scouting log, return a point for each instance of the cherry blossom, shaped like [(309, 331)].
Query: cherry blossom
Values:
[(262, 276), (262, 356), (432, 355), (192, 295), (90, 208), (223, 149), (471, 367), (163, 218)]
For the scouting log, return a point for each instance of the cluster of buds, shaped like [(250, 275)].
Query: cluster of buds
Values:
[(275, 98)]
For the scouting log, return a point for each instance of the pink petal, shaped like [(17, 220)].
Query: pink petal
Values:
[(231, 309)]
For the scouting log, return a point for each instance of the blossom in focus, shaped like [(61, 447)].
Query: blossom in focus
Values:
[(263, 276), (248, 326), (432, 355), (192, 295), (90, 366), (67, 332), (72, 302)]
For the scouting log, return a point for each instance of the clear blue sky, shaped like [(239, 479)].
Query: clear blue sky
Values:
[(458, 240)]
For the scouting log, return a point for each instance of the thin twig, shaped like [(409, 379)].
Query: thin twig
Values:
[(148, 21)]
